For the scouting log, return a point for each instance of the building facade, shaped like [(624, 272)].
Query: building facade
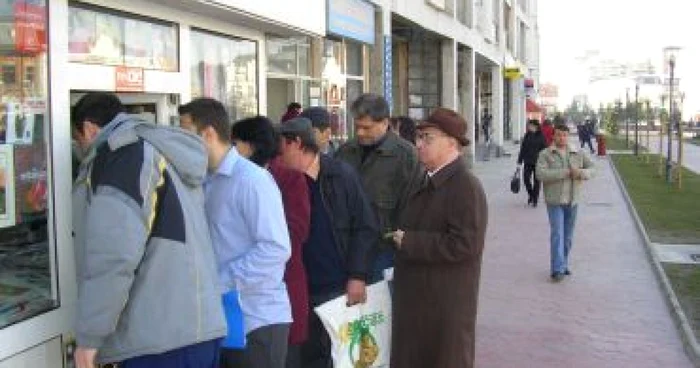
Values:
[(474, 56)]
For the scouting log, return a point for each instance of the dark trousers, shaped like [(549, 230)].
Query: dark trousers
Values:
[(316, 351), (202, 355), (531, 183), (587, 141), (266, 347), (294, 356)]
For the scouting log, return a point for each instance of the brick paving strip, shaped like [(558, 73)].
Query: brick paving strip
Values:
[(612, 312)]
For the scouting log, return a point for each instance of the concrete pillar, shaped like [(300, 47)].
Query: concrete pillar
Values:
[(449, 74), (376, 62), (518, 114), (497, 103), (514, 108), (467, 98), (380, 78)]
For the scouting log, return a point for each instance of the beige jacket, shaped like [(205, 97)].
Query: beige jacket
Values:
[(553, 171)]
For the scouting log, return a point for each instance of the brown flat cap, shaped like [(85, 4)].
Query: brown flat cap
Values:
[(450, 122)]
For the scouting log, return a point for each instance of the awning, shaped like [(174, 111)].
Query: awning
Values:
[(532, 106)]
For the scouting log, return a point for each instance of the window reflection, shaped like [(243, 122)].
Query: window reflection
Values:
[(225, 69), (103, 37), (26, 276)]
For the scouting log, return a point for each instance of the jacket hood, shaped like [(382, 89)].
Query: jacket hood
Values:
[(184, 151)]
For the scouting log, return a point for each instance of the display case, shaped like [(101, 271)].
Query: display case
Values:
[(27, 273)]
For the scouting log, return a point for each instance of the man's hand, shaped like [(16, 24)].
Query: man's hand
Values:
[(85, 357), (398, 238), (357, 292), (576, 174)]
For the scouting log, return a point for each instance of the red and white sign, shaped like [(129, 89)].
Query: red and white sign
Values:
[(30, 27), (128, 79)]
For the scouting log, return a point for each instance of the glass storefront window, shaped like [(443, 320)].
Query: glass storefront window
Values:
[(26, 275), (304, 52), (289, 56), (353, 52), (355, 89), (282, 55), (226, 68), (105, 37)]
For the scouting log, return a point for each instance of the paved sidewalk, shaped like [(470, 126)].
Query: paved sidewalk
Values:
[(609, 313)]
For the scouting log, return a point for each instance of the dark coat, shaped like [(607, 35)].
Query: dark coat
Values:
[(355, 227), (297, 210), (530, 148), (436, 279), (388, 174)]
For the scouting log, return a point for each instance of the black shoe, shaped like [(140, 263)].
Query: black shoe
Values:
[(557, 276), (534, 203), (567, 272)]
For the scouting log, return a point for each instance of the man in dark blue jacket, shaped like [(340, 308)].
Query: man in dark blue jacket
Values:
[(344, 231)]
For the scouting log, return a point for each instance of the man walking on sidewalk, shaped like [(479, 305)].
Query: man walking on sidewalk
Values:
[(533, 143), (562, 170)]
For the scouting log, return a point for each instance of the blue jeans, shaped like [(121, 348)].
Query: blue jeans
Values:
[(562, 219), (202, 355)]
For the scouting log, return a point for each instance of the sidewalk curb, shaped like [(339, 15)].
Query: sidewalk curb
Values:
[(690, 342)]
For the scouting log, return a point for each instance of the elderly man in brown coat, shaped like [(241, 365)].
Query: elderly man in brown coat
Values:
[(438, 260)]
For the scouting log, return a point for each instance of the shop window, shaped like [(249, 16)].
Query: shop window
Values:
[(9, 74), (354, 58), (304, 52), (27, 278), (100, 36), (225, 68), (281, 55), (29, 75)]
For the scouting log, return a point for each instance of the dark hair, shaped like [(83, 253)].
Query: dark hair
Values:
[(99, 108), (308, 141), (319, 116), (561, 127), (370, 105), (259, 132), (207, 112), (293, 106), (406, 127)]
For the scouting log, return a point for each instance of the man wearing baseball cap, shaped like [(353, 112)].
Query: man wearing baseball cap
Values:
[(342, 234)]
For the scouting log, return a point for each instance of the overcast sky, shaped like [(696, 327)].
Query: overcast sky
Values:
[(621, 29)]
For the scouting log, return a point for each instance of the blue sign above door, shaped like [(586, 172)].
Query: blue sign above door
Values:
[(352, 19)]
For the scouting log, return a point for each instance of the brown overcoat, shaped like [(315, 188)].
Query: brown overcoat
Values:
[(436, 276)]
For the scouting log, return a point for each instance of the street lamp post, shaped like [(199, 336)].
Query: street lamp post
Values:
[(679, 168), (636, 119), (650, 120), (662, 115), (670, 56), (627, 118)]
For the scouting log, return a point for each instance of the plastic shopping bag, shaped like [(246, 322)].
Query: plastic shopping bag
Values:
[(235, 337), (361, 334)]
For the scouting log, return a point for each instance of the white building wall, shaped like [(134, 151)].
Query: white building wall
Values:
[(305, 15)]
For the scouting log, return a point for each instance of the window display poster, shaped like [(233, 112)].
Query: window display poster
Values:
[(95, 37), (82, 33), (30, 182), (7, 186)]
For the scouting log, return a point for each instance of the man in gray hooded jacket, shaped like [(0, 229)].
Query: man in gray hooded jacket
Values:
[(148, 292)]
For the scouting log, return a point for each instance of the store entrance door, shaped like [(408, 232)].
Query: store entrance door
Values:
[(157, 108)]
